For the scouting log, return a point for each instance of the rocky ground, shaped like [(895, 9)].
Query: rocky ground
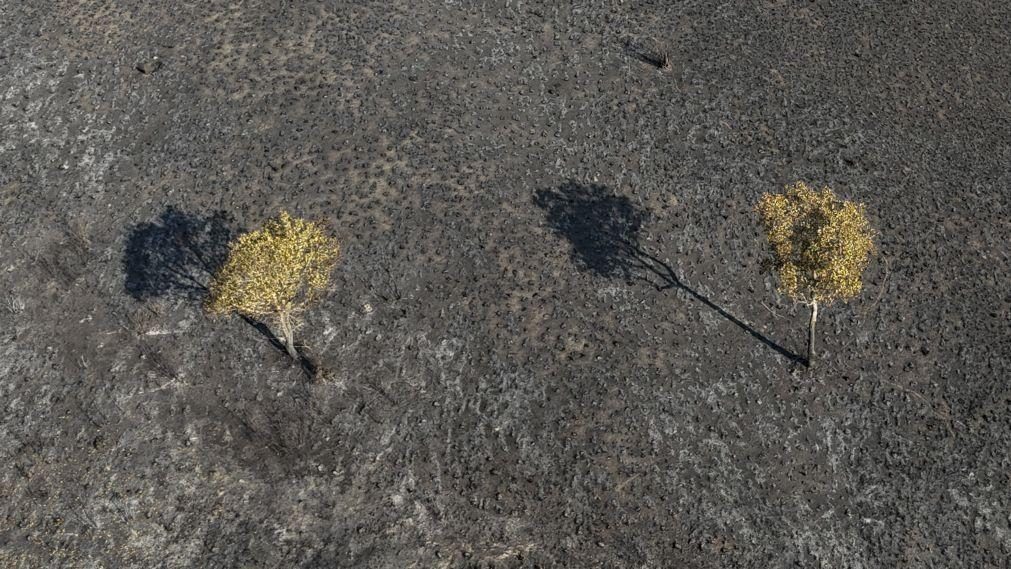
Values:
[(549, 342)]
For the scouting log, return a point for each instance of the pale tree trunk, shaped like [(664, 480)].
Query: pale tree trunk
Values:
[(810, 334), (286, 330)]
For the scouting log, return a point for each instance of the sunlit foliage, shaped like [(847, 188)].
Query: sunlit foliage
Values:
[(275, 272), (820, 243)]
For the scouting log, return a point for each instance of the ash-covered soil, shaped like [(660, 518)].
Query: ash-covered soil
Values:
[(549, 342)]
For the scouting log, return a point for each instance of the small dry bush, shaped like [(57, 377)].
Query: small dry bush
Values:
[(276, 272), (821, 245)]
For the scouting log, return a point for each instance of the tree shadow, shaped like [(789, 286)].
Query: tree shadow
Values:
[(176, 255), (603, 229), (640, 52)]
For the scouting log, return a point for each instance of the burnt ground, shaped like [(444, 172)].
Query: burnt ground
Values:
[(549, 342)]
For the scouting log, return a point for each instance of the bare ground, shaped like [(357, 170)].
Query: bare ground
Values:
[(549, 342)]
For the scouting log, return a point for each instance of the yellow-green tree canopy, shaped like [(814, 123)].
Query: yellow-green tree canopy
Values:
[(820, 243), (276, 270)]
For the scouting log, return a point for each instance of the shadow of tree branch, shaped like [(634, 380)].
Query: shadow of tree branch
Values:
[(603, 230), (308, 365), (670, 280)]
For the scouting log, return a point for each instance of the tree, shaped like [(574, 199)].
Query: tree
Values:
[(820, 245), (275, 272)]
